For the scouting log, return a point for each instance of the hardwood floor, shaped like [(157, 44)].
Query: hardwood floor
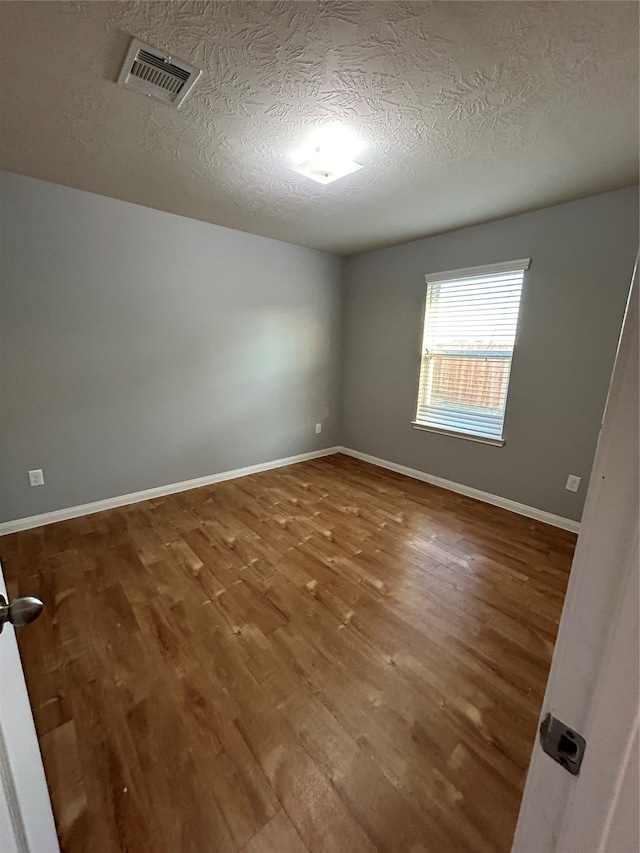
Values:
[(326, 657)]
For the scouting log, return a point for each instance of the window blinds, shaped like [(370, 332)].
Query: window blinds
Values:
[(470, 325)]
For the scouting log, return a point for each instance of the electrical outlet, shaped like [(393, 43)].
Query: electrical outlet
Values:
[(36, 478), (318, 428), (573, 483)]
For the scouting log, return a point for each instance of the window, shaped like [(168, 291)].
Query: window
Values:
[(470, 323)]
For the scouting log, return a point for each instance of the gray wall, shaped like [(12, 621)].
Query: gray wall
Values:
[(572, 306), (140, 349)]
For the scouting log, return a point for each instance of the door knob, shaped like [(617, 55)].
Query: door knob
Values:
[(21, 611)]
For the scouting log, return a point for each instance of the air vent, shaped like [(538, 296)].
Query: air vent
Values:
[(156, 74)]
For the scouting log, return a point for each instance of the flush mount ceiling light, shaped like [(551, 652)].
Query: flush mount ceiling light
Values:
[(328, 155)]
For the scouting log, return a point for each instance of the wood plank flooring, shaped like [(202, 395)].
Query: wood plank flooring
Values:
[(326, 657)]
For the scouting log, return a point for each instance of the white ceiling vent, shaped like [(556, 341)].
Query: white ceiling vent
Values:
[(156, 74)]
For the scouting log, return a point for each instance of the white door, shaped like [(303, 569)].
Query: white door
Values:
[(26, 819), (593, 685)]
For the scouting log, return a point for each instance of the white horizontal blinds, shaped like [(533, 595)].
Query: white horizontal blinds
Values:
[(469, 333)]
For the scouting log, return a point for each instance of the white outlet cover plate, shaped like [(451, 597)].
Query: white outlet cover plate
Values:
[(573, 483), (36, 477)]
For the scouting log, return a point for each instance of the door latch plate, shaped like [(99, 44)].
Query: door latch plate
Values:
[(562, 743)]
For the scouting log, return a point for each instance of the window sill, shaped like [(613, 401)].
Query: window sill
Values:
[(495, 442)]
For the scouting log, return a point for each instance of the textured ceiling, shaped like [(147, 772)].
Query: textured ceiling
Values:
[(470, 111)]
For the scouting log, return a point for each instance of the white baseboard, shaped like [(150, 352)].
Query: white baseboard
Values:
[(486, 497), (136, 497), (159, 492)]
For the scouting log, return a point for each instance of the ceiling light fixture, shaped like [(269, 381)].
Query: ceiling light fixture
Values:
[(328, 155)]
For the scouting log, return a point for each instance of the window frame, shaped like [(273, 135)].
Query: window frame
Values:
[(522, 265)]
